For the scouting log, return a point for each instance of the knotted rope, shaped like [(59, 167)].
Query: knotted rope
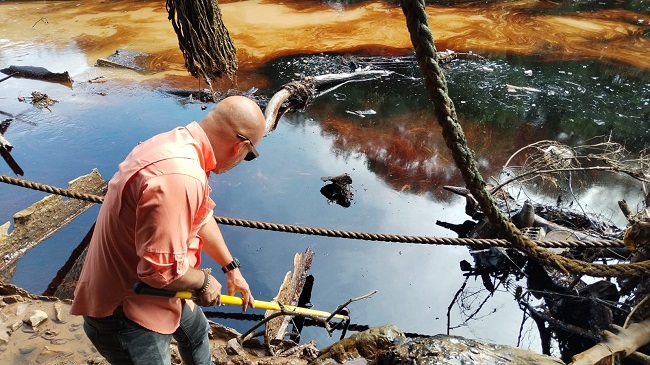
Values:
[(445, 112)]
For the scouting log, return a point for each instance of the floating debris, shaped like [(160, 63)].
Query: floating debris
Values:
[(338, 191), (513, 89), (39, 100), (362, 113), (37, 73), (132, 60)]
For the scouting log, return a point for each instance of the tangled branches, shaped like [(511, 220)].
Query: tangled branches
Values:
[(571, 310), (543, 159)]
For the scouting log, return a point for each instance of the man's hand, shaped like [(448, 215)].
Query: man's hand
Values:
[(237, 284), (212, 295)]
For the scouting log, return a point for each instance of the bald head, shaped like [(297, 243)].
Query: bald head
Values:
[(234, 115)]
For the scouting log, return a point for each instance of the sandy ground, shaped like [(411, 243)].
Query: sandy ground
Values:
[(40, 330)]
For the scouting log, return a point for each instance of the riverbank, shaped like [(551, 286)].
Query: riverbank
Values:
[(39, 330)]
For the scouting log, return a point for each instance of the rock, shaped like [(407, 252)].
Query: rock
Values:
[(35, 318), (387, 345), (4, 337), (14, 327), (367, 344), (233, 347), (11, 299), (452, 350), (27, 350), (21, 308), (58, 311)]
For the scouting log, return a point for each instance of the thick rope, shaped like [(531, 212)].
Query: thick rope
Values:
[(204, 40), (449, 241), (436, 87), (51, 189)]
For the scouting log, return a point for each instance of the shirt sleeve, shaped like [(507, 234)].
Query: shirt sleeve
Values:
[(164, 216)]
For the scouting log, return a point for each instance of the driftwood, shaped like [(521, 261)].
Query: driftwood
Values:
[(288, 294), (537, 221), (574, 315), (124, 58), (38, 73), (6, 155), (624, 342), (312, 87), (38, 222), (5, 145), (63, 284)]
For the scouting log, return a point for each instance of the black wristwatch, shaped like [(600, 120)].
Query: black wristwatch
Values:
[(232, 265)]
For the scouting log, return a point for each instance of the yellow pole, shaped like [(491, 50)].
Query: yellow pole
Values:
[(142, 288)]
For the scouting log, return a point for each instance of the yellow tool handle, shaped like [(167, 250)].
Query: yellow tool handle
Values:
[(144, 289)]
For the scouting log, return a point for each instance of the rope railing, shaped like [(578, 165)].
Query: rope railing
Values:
[(367, 236)]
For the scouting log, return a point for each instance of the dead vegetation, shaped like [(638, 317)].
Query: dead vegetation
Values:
[(572, 313)]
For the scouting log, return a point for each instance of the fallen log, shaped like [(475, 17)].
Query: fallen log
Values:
[(37, 73), (623, 341), (42, 219)]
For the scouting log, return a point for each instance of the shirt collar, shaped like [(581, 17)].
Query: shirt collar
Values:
[(209, 160)]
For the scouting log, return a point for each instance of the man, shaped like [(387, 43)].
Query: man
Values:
[(155, 221)]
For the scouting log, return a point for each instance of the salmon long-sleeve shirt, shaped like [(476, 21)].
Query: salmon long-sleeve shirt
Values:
[(147, 229)]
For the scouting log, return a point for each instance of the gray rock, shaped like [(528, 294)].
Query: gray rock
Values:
[(10, 299), (4, 337), (387, 345), (58, 311), (453, 350), (15, 326), (367, 344), (35, 318)]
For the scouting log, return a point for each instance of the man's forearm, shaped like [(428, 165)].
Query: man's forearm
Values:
[(192, 280), (213, 243)]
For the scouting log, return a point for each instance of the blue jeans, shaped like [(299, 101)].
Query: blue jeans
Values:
[(124, 342)]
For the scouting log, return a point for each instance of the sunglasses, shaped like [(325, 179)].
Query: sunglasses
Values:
[(252, 154)]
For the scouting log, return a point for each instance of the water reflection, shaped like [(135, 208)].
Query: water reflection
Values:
[(590, 69)]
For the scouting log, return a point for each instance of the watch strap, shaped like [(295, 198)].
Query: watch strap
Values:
[(231, 266)]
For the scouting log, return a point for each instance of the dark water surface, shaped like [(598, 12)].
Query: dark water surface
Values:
[(587, 62)]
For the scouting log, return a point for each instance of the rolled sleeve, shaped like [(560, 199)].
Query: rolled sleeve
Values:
[(164, 217)]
